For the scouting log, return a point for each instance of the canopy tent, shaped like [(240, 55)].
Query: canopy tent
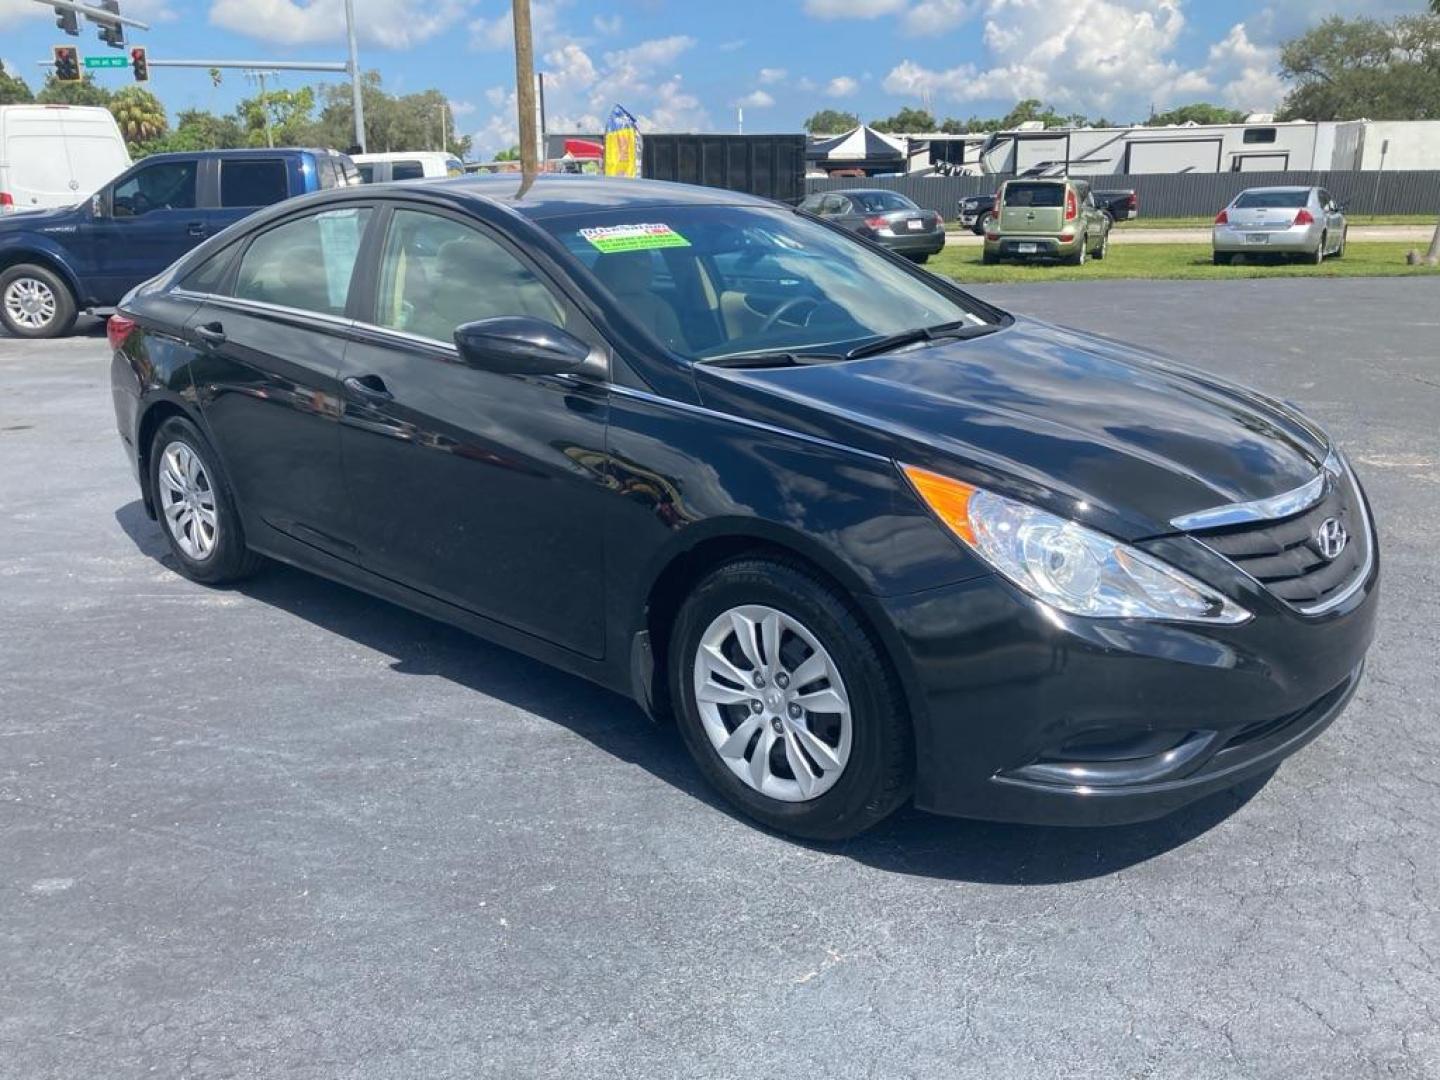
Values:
[(864, 148)]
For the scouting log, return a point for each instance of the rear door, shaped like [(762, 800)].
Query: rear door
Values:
[(271, 344), (1033, 206), (246, 184)]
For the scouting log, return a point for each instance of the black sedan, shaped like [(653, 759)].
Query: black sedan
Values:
[(886, 218), (865, 537)]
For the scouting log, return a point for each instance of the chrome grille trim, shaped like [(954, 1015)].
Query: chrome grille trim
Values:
[(1284, 505)]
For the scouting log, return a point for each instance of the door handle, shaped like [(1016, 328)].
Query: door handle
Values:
[(196, 228), (212, 333), (369, 386)]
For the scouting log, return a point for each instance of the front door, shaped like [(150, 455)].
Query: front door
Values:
[(148, 219), (485, 490), (271, 345)]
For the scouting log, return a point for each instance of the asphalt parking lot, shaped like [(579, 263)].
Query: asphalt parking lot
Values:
[(292, 831)]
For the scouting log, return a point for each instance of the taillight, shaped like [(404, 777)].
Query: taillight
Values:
[(1304, 218), (1133, 202), (991, 235), (1072, 207), (7, 203), (117, 330), (875, 223), (1222, 218)]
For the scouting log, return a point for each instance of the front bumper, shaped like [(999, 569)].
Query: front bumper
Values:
[(1296, 240), (1028, 715)]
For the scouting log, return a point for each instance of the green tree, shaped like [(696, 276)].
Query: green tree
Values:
[(278, 118), (13, 89), (831, 122), (140, 115), (196, 129), (411, 122), (513, 154), (907, 119), (1199, 112), (1345, 69), (84, 92)]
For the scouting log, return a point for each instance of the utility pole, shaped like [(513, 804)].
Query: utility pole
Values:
[(444, 144), (260, 76), (356, 104), (525, 87)]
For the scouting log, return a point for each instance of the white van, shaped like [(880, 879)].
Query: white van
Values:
[(56, 155), (406, 165)]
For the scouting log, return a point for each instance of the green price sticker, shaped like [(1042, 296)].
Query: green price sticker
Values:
[(614, 239)]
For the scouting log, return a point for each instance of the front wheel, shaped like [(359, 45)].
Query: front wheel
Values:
[(786, 703), (35, 302)]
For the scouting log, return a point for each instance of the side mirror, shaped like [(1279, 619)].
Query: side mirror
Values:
[(520, 345)]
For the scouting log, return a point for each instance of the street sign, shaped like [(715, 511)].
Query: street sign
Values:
[(107, 61)]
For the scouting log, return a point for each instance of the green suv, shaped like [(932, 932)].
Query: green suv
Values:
[(1047, 219)]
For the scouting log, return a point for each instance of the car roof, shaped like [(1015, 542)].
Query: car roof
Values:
[(255, 152), (402, 155), (1280, 187), (862, 191), (559, 194)]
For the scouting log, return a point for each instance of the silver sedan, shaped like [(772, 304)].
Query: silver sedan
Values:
[(1292, 221)]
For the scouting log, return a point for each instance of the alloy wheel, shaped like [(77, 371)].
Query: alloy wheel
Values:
[(30, 302), (773, 703), (187, 501)]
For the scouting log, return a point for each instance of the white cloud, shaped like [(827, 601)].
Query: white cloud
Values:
[(771, 76), (1245, 72), (675, 110), (390, 24), (462, 108), (609, 25), (499, 32), (852, 9), (756, 99), (569, 66), (841, 86), (732, 46), (931, 17)]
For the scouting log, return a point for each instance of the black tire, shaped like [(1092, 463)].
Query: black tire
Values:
[(1224, 258), (65, 309), (1317, 257), (1344, 239), (879, 774), (1104, 248), (230, 560), (1078, 259), (919, 260), (989, 258), (979, 227)]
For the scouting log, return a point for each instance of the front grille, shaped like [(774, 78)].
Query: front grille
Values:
[(1284, 554)]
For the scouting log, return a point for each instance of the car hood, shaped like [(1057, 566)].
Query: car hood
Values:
[(1085, 426), (33, 220)]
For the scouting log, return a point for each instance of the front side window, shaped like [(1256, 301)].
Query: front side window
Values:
[(165, 185), (252, 183), (437, 273), (305, 263), (407, 170), (716, 281)]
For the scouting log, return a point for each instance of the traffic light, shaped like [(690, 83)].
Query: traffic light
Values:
[(139, 64), (68, 21), (67, 63), (112, 34)]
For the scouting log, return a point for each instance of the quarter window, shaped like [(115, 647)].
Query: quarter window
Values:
[(407, 170), (252, 183), (305, 263), (437, 274), (166, 185)]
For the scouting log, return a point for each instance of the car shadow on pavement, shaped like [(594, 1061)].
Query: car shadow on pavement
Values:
[(910, 842)]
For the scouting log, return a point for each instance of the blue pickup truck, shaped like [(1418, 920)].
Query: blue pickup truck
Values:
[(57, 263)]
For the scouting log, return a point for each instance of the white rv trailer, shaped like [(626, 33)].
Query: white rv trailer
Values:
[(1259, 145)]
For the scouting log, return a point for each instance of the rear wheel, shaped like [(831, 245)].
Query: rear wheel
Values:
[(989, 258), (1316, 257), (1081, 253), (195, 507), (35, 302), (786, 702), (1104, 248), (1344, 239), (1224, 258), (920, 259)]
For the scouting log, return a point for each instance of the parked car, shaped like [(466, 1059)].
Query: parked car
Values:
[(56, 155), (1120, 205), (1047, 219), (1289, 221), (862, 534), (884, 217), (973, 210), (407, 165), (56, 263)]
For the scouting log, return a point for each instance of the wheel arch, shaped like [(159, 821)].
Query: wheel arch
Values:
[(155, 414), (50, 259)]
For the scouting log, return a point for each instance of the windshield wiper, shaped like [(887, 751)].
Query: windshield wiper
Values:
[(771, 359), (959, 331)]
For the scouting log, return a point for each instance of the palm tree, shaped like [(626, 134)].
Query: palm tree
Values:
[(139, 113)]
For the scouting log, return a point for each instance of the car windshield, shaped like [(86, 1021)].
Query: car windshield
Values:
[(1041, 195), (1272, 200), (718, 281), (877, 202)]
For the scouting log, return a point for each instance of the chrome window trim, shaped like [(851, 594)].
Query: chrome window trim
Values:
[(261, 307), (1283, 505)]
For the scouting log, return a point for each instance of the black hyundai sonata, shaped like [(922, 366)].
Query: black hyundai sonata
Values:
[(864, 536)]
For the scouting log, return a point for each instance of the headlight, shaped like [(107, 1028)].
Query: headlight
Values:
[(1069, 567)]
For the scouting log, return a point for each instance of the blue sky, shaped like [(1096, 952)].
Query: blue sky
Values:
[(687, 64)]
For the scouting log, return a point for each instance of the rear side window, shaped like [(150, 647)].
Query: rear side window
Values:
[(349, 171), (210, 274), (367, 173), (407, 170), (305, 263), (882, 201), (327, 172), (253, 183), (1272, 200), (1038, 195)]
